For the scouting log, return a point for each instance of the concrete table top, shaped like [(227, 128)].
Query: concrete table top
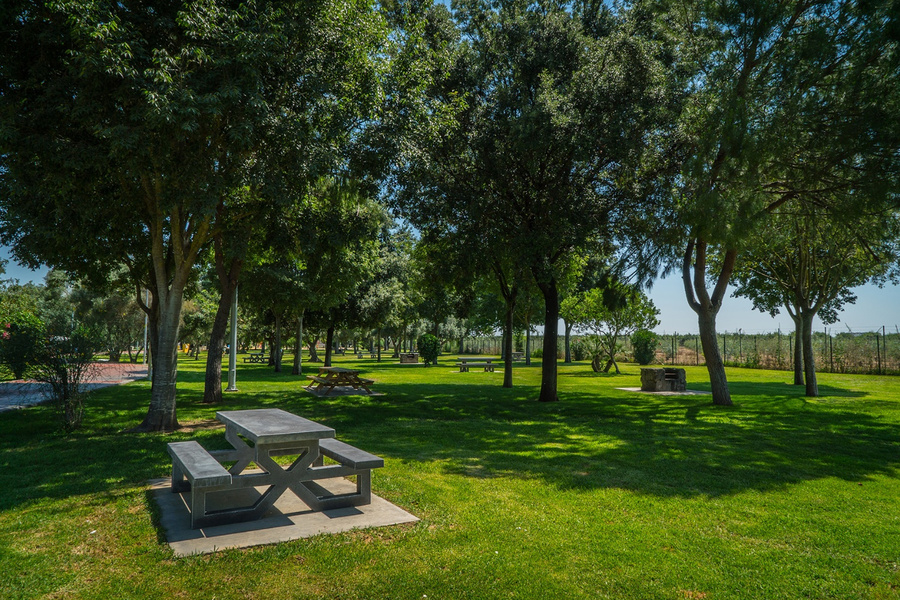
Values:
[(273, 426)]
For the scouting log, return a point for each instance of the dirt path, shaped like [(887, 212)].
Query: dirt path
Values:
[(23, 393)]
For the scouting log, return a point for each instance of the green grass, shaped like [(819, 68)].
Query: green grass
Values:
[(606, 494)]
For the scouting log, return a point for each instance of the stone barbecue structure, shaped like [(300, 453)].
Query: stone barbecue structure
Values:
[(663, 380)]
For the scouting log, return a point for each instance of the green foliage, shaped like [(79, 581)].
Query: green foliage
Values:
[(65, 365), (579, 350), (643, 344), (20, 341), (127, 144), (429, 347), (116, 319), (610, 313)]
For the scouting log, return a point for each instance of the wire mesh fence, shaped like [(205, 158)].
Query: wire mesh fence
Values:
[(842, 352)]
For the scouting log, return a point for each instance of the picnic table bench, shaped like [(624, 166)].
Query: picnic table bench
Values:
[(465, 362), (256, 357), (362, 355), (332, 377), (272, 432)]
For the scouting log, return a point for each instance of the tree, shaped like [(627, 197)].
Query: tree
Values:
[(783, 101), (612, 313), (528, 121), (160, 112), (806, 262), (113, 317)]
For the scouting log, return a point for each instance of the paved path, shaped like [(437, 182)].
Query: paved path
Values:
[(23, 393)]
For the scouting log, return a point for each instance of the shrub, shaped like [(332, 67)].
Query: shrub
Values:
[(19, 342), (579, 350), (65, 366), (643, 343), (537, 353), (594, 350), (429, 348)]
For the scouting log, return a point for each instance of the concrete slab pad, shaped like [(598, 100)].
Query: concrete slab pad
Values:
[(289, 519), (684, 393)]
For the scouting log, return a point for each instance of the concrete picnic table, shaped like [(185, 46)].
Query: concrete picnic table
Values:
[(272, 432), (332, 377), (464, 362)]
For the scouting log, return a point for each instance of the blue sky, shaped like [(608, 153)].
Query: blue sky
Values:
[(875, 307)]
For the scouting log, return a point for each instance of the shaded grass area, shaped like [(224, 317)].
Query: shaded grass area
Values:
[(606, 494)]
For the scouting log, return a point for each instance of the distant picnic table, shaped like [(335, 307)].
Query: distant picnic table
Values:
[(256, 357), (332, 377), (465, 362)]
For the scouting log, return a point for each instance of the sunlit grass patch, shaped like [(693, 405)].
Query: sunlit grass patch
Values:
[(606, 493)]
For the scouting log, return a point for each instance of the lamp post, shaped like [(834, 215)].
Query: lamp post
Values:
[(232, 355)]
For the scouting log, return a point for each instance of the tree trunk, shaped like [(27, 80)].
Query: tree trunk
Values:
[(568, 327), (329, 340), (707, 307), (527, 344), (166, 321), (276, 345), (809, 359), (715, 367), (297, 368), (551, 342), (313, 352), (507, 343), (212, 390), (798, 349), (378, 346)]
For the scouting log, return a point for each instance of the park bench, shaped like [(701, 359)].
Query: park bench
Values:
[(464, 367), (358, 461), (203, 474), (474, 361)]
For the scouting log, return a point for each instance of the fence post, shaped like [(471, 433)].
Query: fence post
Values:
[(790, 351), (778, 349), (673, 347), (878, 352), (831, 351), (697, 348)]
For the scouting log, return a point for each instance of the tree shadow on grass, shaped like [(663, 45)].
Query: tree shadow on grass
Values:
[(665, 446), (671, 446)]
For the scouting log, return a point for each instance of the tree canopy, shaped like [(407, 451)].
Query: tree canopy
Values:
[(129, 126)]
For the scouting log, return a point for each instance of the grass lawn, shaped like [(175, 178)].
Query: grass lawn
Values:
[(606, 494)]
